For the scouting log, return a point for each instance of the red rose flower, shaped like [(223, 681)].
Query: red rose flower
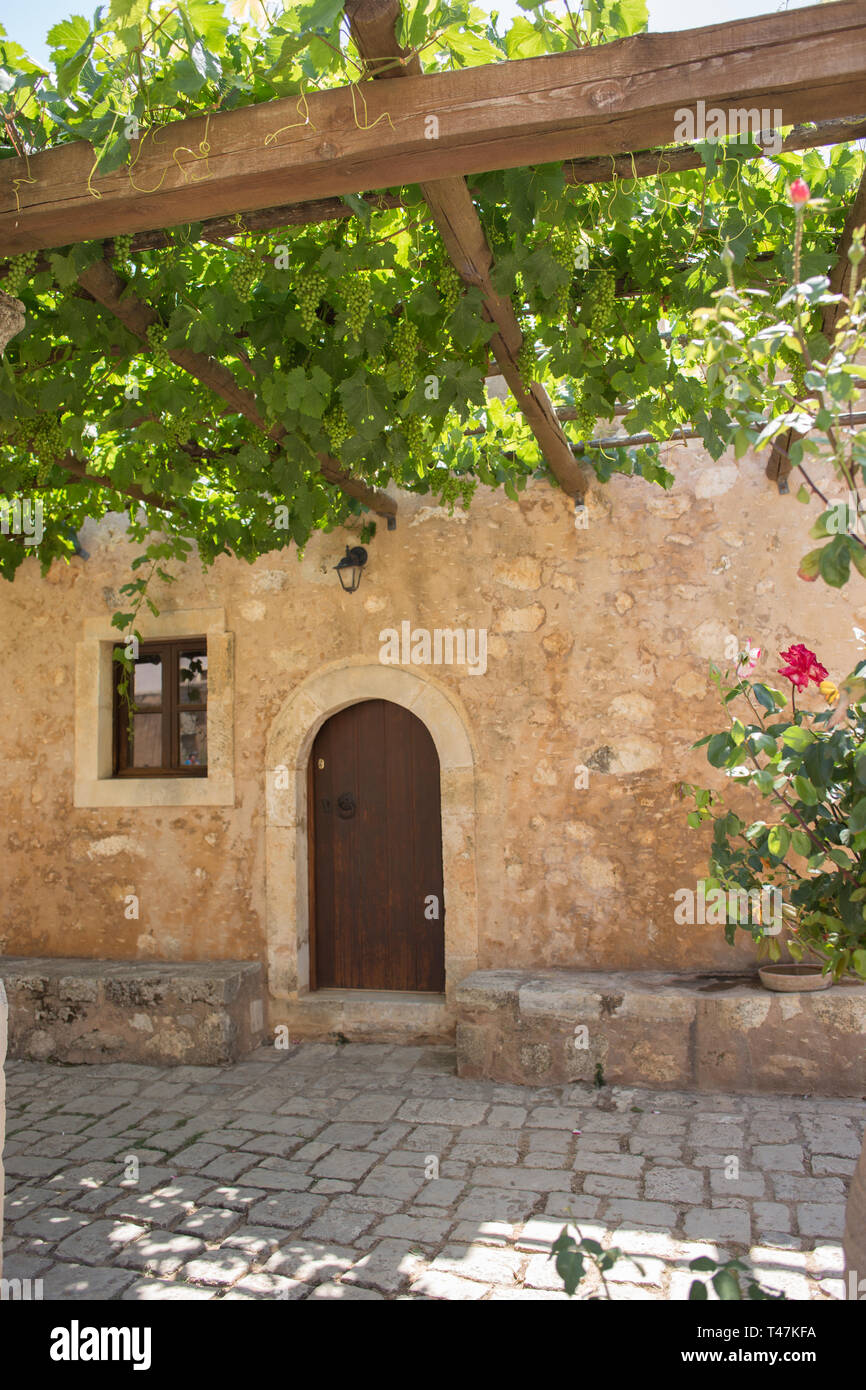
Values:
[(803, 666), (799, 193)]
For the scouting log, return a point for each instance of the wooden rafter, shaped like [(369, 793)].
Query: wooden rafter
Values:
[(643, 164), (108, 289), (599, 100), (373, 28)]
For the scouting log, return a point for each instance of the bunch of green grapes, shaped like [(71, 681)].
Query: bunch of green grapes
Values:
[(416, 438), (244, 276), (405, 344), (562, 251), (450, 287), (598, 301), (308, 293), (156, 336), (337, 427), (122, 249), (527, 362), (497, 238), (20, 269), (45, 439), (358, 297), (446, 280), (177, 429), (454, 488), (585, 418), (794, 361)]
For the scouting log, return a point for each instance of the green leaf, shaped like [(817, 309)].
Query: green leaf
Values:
[(727, 1286), (765, 696), (805, 791), (797, 737), (835, 562), (320, 14), (361, 208), (857, 817), (800, 843), (719, 750), (779, 840)]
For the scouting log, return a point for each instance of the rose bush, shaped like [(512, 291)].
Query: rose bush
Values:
[(810, 765)]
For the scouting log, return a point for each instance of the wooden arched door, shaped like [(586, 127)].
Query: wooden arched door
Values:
[(377, 910)]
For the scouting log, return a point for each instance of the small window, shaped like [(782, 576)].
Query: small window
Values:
[(165, 732)]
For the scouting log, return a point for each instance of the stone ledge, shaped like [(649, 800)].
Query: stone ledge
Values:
[(650, 1028), (363, 1015), (208, 1013)]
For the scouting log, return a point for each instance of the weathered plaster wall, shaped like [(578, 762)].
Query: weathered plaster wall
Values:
[(598, 650)]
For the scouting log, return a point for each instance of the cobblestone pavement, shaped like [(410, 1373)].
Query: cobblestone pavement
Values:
[(311, 1173)]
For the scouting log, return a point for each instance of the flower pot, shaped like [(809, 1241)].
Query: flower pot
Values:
[(854, 1240), (793, 979)]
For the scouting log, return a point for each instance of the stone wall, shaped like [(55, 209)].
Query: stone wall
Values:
[(72, 1011), (599, 643), (671, 1032)]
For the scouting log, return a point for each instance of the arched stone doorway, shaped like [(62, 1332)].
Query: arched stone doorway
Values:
[(287, 870)]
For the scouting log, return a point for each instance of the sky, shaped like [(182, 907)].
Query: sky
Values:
[(28, 23)]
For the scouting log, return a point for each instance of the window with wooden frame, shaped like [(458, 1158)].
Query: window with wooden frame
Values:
[(164, 733)]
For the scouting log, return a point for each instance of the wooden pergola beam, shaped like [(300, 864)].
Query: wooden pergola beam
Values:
[(108, 289), (643, 164), (598, 100), (373, 28)]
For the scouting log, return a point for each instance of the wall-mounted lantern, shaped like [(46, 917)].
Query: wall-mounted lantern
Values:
[(351, 566)]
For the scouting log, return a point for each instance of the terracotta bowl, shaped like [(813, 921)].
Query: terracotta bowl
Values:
[(791, 979)]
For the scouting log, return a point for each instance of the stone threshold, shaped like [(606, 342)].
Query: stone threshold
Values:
[(368, 1015), (706, 1032)]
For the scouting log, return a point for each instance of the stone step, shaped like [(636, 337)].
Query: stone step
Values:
[(161, 1013), (649, 1028)]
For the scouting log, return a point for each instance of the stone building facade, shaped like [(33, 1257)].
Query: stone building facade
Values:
[(563, 825)]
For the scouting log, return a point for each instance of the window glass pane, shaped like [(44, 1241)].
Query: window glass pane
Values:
[(148, 683), (193, 739), (147, 740), (192, 669)]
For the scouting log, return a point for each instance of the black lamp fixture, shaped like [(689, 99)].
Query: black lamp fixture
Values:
[(351, 567)]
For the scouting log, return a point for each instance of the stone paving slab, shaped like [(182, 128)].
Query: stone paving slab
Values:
[(373, 1172)]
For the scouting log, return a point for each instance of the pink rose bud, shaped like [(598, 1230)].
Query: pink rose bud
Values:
[(799, 193)]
